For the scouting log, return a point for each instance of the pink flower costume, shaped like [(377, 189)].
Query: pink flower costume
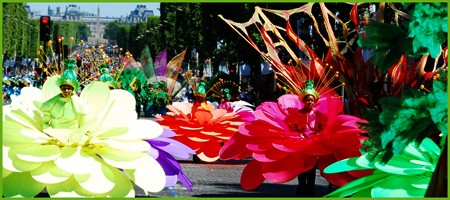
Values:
[(280, 155)]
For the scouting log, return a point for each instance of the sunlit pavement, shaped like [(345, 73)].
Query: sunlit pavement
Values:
[(221, 179)]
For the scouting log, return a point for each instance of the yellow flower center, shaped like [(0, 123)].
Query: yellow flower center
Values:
[(85, 143)]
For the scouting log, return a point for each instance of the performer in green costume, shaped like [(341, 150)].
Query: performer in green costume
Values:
[(65, 110), (107, 78)]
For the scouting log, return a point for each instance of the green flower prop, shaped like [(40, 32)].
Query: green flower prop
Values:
[(405, 175), (102, 158), (410, 118)]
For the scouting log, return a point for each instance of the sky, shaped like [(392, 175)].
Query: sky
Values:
[(106, 9)]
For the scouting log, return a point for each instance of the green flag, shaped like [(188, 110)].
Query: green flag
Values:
[(147, 64)]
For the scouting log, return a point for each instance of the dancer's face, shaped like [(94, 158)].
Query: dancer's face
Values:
[(309, 102), (66, 90)]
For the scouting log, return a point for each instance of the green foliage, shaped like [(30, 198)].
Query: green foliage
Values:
[(429, 28), (19, 34), (425, 33), (122, 36), (111, 30), (77, 30), (388, 41)]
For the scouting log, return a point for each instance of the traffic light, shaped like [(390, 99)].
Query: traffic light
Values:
[(44, 28), (232, 69)]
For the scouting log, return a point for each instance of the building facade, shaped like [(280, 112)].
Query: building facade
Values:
[(95, 22)]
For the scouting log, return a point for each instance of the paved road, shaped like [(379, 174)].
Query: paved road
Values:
[(221, 179)]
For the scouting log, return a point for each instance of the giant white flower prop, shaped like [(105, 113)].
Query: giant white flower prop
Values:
[(102, 158)]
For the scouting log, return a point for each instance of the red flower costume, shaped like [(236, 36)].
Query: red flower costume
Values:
[(204, 129), (280, 155)]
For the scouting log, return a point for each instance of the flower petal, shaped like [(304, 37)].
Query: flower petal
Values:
[(174, 148), (130, 145), (288, 168), (401, 166), (50, 89), (252, 176), (14, 134), (12, 163), (73, 160), (145, 129), (19, 117), (123, 186), (21, 185), (119, 109), (358, 185), (398, 186), (68, 188), (49, 173), (6, 172), (100, 180), (41, 153), (149, 175), (95, 94), (141, 129), (343, 166), (122, 159)]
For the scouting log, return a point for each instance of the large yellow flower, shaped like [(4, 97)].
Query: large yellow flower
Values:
[(99, 159)]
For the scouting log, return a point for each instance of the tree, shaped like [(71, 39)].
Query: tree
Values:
[(122, 36), (152, 35), (20, 35), (111, 30)]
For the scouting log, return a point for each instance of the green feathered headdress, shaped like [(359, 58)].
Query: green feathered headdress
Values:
[(107, 78), (309, 90), (69, 77), (200, 90)]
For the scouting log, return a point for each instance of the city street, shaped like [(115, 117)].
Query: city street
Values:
[(221, 179)]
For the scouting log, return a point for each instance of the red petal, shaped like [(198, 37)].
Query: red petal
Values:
[(252, 176), (234, 147), (210, 151), (269, 156), (364, 101), (203, 116), (260, 128), (354, 15), (288, 168)]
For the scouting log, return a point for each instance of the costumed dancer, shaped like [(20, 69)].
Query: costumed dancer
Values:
[(65, 110), (104, 156), (227, 92), (308, 121), (157, 99), (107, 78), (164, 149), (289, 137), (282, 140), (200, 126)]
